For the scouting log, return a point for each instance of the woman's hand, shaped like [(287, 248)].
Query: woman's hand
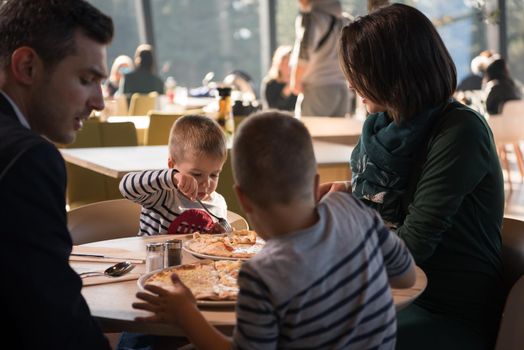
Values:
[(168, 306), (335, 186), (186, 184)]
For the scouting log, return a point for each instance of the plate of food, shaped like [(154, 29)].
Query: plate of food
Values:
[(240, 244), (212, 282)]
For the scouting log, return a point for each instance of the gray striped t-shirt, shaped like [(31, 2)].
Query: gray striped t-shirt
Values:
[(325, 287)]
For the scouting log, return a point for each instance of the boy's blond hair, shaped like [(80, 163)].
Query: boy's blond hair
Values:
[(273, 159), (196, 135)]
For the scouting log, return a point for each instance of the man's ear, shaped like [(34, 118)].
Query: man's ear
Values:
[(25, 64), (245, 202)]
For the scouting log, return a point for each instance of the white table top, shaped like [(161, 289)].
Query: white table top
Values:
[(111, 303), (118, 161)]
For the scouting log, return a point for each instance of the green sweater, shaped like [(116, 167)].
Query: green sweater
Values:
[(453, 224)]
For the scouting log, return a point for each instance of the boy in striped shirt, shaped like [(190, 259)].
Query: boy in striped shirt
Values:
[(197, 152), (322, 281)]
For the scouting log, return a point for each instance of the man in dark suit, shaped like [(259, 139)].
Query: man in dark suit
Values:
[(52, 62)]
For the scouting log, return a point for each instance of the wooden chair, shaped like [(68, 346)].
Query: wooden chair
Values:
[(159, 127), (104, 220), (141, 104), (511, 335), (237, 221), (511, 330), (86, 186), (508, 131)]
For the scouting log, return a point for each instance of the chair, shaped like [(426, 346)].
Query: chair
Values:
[(159, 127), (141, 104), (507, 130), (86, 186), (511, 335), (512, 250), (236, 221), (104, 220)]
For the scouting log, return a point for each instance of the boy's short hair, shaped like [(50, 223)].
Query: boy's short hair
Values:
[(196, 135), (273, 159)]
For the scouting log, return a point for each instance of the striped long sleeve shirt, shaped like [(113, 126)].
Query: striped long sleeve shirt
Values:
[(161, 202), (324, 287)]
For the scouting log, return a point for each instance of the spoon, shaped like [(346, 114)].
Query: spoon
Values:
[(116, 270)]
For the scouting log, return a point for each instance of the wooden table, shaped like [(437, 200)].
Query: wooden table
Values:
[(115, 162), (111, 303), (337, 130)]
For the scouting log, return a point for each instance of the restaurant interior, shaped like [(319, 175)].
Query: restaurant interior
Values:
[(199, 47)]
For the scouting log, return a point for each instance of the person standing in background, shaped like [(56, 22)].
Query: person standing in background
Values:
[(142, 80), (276, 92), (52, 62), (316, 76)]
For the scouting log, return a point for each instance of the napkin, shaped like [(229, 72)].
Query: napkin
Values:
[(105, 254), (95, 280)]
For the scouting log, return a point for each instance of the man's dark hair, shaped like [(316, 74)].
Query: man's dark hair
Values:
[(395, 57), (49, 26)]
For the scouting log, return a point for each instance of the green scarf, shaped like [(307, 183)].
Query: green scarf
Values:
[(384, 157)]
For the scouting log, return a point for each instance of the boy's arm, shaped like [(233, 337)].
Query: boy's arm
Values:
[(397, 258), (178, 307)]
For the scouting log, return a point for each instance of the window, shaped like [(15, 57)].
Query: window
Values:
[(194, 37)]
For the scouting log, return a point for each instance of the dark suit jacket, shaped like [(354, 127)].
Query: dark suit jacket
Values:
[(40, 297)]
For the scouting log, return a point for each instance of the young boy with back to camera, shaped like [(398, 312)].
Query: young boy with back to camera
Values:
[(322, 280), (197, 152)]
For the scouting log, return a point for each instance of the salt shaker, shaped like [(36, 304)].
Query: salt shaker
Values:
[(154, 257), (172, 252)]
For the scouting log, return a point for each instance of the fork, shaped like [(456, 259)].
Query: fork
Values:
[(221, 221)]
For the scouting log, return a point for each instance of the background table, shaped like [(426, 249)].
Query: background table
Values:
[(332, 159), (111, 303)]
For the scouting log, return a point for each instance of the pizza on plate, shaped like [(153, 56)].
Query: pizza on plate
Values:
[(207, 279), (240, 244)]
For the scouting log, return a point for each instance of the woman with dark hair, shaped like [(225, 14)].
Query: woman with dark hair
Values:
[(428, 164), (499, 86)]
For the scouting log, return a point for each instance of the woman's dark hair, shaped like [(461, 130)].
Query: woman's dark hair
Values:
[(395, 58), (49, 26), (144, 57), (497, 70)]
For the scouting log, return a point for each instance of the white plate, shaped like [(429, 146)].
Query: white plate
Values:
[(260, 242), (218, 303)]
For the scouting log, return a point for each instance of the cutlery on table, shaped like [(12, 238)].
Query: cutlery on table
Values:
[(116, 270)]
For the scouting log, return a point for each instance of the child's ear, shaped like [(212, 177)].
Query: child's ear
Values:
[(170, 163), (245, 202)]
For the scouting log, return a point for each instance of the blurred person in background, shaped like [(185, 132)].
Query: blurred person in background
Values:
[(142, 79), (121, 65), (499, 86), (316, 76), (276, 92)]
